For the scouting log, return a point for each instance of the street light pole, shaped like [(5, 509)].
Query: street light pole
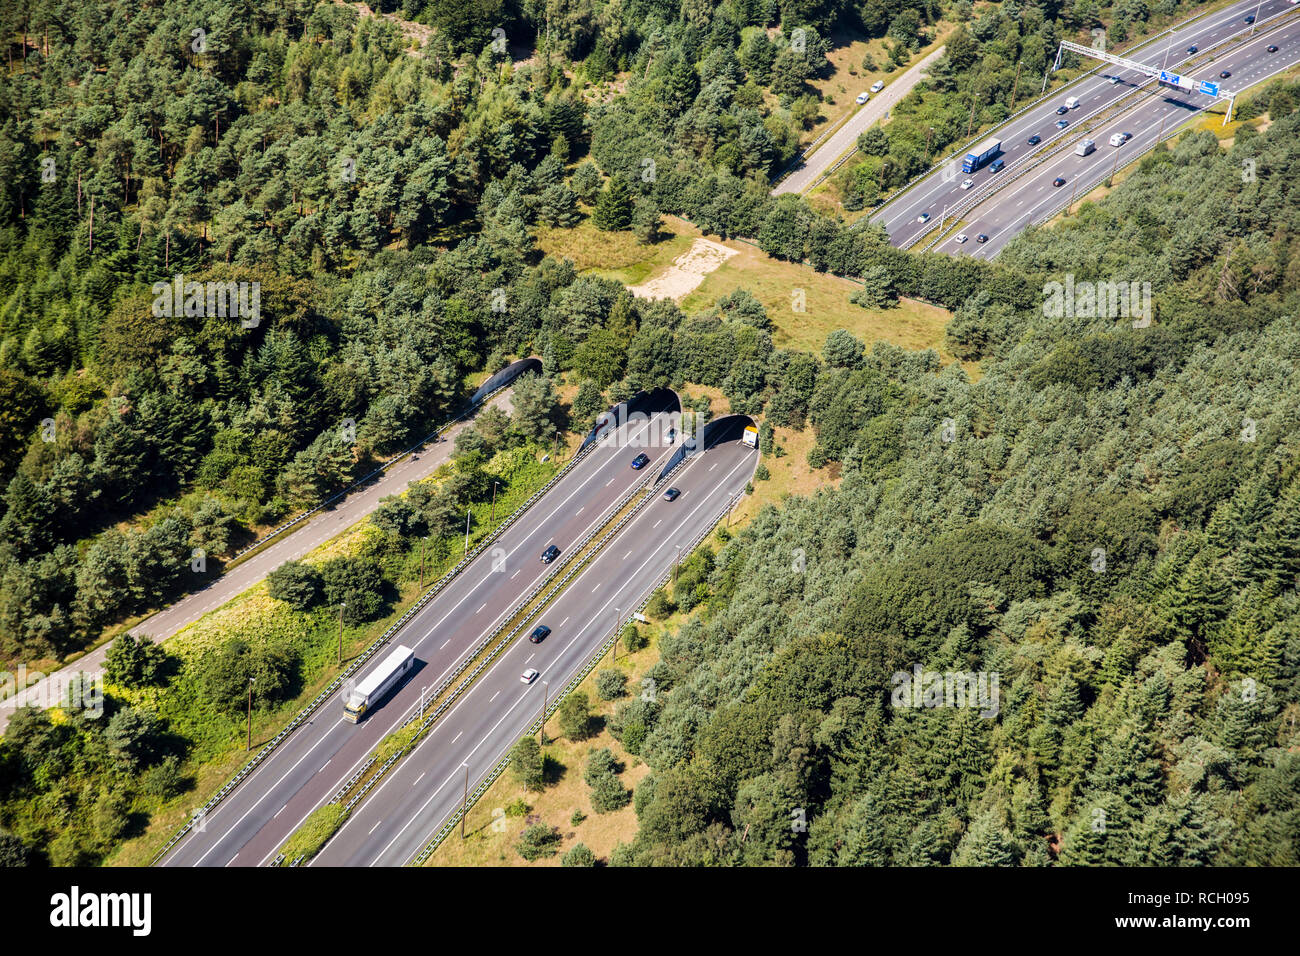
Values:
[(1255, 21), (546, 691), (617, 616), (676, 559), (468, 512), (250, 713), (342, 605), (555, 447), (493, 518), (464, 812)]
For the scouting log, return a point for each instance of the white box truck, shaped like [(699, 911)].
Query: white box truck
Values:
[(1084, 148), (1072, 103), (366, 695)]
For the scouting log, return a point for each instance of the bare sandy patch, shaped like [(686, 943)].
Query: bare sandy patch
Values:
[(687, 271)]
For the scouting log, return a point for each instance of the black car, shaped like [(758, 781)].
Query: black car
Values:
[(1192, 49), (550, 554), (672, 494), (1035, 140), (1250, 18), (1062, 110), (640, 461), (1272, 48), (981, 238), (539, 634), (1058, 181), (1224, 74)]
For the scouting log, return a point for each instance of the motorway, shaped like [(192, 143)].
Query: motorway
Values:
[(308, 768), (400, 816), (821, 157), (941, 189), (1036, 199)]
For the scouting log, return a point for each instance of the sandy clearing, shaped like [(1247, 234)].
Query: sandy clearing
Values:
[(687, 271)]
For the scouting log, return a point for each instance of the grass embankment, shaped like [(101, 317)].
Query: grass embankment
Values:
[(217, 740)]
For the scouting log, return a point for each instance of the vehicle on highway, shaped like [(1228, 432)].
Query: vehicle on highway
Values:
[(924, 217), (981, 154), (1072, 102), (1193, 49), (1034, 140), (1117, 139), (1114, 80), (1062, 110), (997, 164), (1085, 147), (1272, 48), (967, 183), (959, 238), (877, 86), (981, 238), (640, 461), (528, 676), (1224, 74), (1062, 124), (540, 633), (1250, 18), (550, 554), (367, 695), (672, 494), (1058, 181), (862, 98)]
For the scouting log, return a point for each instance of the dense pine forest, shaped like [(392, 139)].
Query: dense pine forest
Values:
[(381, 175)]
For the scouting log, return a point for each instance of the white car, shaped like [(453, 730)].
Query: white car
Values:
[(862, 98), (924, 217), (528, 676), (879, 85), (1114, 80), (967, 183), (961, 237)]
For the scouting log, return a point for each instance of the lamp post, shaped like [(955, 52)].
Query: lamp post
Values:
[(342, 605), (1255, 20), (468, 512), (555, 446), (464, 807), (676, 560), (617, 617), (495, 485), (546, 691), (250, 713)]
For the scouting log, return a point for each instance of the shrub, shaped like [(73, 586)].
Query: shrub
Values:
[(575, 716), (537, 841), (611, 684), (578, 856), (526, 763), (578, 817), (296, 584)]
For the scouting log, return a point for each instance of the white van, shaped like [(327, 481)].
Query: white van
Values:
[(1084, 148), (1117, 139), (1072, 103), (877, 86)]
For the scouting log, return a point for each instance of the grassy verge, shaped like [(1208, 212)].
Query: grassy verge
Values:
[(311, 836)]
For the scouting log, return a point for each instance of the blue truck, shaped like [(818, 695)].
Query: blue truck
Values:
[(981, 154)]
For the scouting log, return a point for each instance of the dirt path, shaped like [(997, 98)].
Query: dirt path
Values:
[(686, 273)]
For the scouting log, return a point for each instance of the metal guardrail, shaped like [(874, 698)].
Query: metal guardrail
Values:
[(577, 679), (1065, 139), (1042, 97), (363, 658)]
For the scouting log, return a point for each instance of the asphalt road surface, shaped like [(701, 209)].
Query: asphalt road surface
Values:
[(250, 825), (290, 546), (824, 155), (1034, 198), (942, 188), (398, 818)]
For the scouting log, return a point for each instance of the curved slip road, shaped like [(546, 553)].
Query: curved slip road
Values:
[(394, 823), (942, 188), (250, 825)]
